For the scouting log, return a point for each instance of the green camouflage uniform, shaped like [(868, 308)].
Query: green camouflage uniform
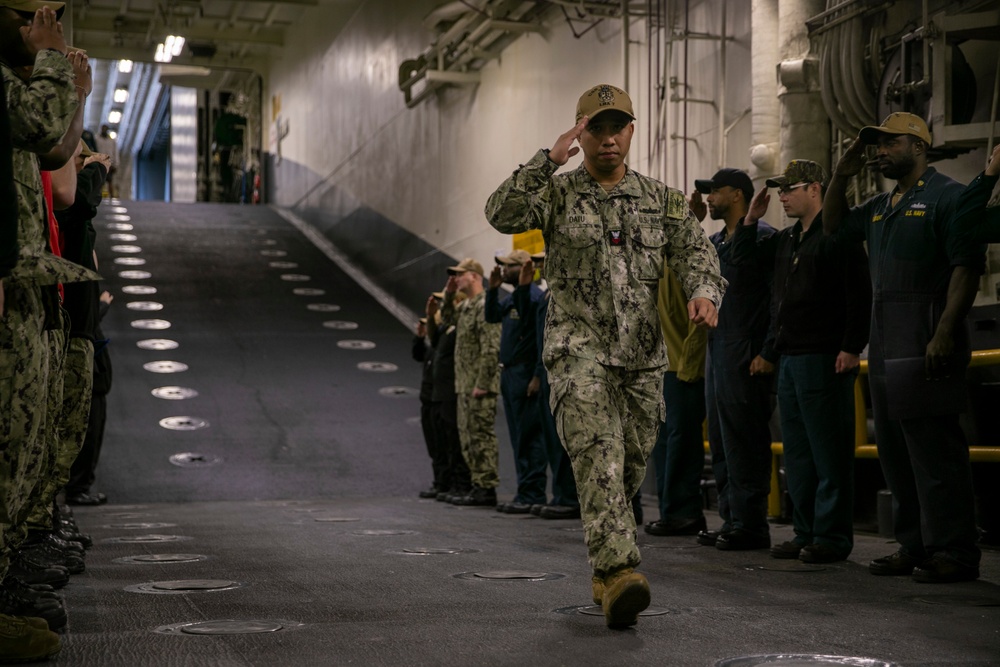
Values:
[(477, 364), (40, 111), (603, 346), (69, 415), (50, 429)]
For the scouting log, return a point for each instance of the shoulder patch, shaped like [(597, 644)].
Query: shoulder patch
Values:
[(676, 205)]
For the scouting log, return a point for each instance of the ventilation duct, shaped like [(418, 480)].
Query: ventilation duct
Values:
[(467, 42)]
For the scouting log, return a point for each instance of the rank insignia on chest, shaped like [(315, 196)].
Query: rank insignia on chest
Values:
[(615, 237)]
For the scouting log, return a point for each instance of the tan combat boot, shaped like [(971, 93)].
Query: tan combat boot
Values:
[(597, 583), (21, 640), (626, 593)]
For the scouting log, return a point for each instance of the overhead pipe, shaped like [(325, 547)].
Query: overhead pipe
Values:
[(667, 117), (801, 105), (839, 31), (764, 125), (468, 40), (722, 90), (862, 92), (625, 40), (827, 94)]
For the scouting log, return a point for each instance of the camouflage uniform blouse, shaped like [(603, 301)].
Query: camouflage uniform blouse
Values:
[(604, 258), (40, 114), (477, 344)]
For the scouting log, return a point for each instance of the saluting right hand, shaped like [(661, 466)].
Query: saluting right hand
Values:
[(431, 308), (45, 32), (993, 167), (496, 277), (563, 149), (758, 206), (853, 161), (99, 158), (698, 206), (82, 71), (452, 284), (527, 275)]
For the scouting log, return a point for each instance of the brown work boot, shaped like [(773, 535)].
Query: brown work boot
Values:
[(626, 593), (22, 641), (597, 582)]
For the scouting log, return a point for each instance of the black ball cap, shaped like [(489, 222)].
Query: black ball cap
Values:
[(734, 178)]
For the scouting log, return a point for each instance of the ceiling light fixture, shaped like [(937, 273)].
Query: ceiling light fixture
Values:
[(175, 44), (124, 66), (115, 117), (121, 95), (169, 48)]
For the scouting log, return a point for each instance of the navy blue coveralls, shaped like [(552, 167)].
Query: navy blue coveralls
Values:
[(739, 405), (973, 216), (912, 250), (518, 355)]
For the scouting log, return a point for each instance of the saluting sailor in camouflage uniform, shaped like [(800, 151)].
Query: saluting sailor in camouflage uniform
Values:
[(477, 380), (71, 351), (607, 231), (41, 110)]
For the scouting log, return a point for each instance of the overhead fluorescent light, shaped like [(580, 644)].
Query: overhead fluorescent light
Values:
[(121, 95), (124, 66), (115, 117), (175, 44), (168, 48)]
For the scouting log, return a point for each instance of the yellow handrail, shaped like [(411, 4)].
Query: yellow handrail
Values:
[(865, 450)]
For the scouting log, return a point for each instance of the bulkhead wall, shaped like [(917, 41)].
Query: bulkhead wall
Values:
[(402, 191)]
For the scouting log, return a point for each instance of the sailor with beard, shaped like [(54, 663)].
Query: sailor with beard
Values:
[(924, 280), (739, 379)]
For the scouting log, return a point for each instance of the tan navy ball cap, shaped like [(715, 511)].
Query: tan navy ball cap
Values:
[(799, 171), (33, 6), (466, 265), (601, 98), (515, 258), (897, 123)]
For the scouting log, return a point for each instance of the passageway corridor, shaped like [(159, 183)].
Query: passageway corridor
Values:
[(263, 449)]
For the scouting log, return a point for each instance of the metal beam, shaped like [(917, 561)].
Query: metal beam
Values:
[(972, 135), (306, 3), (267, 37), (147, 17), (107, 52), (464, 78)]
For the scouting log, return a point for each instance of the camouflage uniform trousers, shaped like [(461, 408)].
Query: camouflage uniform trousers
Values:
[(477, 432), (24, 371), (607, 418), (57, 340), (69, 428)]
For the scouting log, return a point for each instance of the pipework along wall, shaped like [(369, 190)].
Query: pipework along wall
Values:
[(402, 191)]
